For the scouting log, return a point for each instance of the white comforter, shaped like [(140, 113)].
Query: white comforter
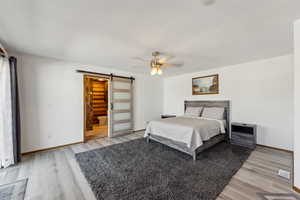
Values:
[(191, 131)]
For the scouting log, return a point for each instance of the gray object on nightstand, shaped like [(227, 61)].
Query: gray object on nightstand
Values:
[(243, 134)]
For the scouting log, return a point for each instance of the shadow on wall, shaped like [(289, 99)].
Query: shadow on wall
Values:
[(26, 107)]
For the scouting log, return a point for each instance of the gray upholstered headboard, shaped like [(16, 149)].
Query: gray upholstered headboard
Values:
[(224, 104)]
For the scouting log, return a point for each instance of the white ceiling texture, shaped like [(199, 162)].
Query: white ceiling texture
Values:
[(203, 34)]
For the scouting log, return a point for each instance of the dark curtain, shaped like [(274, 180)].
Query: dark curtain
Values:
[(15, 109)]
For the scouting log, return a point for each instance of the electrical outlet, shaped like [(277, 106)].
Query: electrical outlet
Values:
[(284, 173)]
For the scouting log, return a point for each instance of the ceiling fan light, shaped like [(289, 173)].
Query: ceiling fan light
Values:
[(153, 71), (159, 71)]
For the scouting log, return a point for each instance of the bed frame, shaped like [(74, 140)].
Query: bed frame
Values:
[(207, 144)]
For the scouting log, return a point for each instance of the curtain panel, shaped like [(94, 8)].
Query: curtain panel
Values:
[(16, 123), (6, 136), (9, 113)]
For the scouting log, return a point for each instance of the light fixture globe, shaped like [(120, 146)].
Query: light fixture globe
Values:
[(159, 71), (154, 71)]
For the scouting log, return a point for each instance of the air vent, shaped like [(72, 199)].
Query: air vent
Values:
[(284, 174)]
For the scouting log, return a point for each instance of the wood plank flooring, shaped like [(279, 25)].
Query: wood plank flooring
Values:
[(97, 132), (55, 174)]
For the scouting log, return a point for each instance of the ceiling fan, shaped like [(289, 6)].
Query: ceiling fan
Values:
[(208, 2), (159, 61)]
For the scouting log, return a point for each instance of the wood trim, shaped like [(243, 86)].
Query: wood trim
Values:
[(51, 148), (296, 189), (275, 148), (97, 76), (84, 109)]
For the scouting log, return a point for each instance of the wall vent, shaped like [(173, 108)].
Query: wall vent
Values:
[(284, 173)]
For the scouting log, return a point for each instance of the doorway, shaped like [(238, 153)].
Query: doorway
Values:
[(108, 106), (96, 110)]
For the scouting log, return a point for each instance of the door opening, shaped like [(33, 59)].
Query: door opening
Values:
[(96, 107)]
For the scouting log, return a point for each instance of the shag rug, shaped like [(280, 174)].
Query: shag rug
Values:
[(137, 170)]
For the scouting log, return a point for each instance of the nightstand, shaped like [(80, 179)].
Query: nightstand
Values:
[(167, 116), (243, 134)]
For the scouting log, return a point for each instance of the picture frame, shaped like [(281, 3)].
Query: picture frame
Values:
[(205, 85)]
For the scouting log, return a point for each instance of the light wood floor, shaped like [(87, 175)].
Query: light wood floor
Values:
[(56, 175), (97, 132)]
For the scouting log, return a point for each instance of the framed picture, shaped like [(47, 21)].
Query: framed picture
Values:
[(206, 85)]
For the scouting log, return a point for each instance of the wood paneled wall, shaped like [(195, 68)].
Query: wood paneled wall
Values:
[(99, 99)]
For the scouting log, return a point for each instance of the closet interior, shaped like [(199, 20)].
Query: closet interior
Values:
[(96, 107)]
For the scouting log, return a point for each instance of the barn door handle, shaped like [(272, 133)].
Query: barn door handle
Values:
[(111, 106)]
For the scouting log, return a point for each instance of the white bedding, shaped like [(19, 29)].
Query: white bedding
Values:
[(192, 131)]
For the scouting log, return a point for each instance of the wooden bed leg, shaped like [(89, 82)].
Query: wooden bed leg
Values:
[(194, 156)]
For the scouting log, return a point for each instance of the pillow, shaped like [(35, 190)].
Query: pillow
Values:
[(193, 111), (213, 113)]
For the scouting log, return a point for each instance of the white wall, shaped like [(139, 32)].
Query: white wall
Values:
[(260, 92), (297, 104), (51, 94)]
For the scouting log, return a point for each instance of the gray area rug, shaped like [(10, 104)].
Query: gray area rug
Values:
[(136, 170), (13, 191)]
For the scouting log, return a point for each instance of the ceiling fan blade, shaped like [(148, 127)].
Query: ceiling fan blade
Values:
[(172, 64), (140, 59), (208, 2), (165, 59)]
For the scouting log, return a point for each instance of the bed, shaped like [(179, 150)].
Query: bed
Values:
[(192, 134)]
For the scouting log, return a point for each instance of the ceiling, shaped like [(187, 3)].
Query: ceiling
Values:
[(203, 34)]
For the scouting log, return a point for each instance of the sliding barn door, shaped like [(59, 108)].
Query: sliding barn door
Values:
[(121, 113)]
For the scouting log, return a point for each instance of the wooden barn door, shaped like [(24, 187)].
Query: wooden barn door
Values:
[(121, 106)]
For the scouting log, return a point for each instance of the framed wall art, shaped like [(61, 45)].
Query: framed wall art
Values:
[(206, 85)]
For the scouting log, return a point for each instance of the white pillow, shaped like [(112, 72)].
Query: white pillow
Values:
[(213, 113), (193, 111)]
